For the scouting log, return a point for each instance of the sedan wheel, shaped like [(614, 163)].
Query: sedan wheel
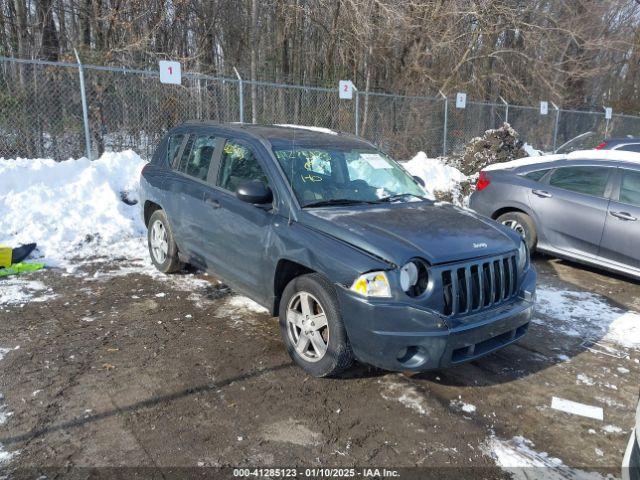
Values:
[(515, 225), (307, 327), (159, 242)]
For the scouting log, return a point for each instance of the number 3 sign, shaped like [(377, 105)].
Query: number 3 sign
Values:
[(170, 72)]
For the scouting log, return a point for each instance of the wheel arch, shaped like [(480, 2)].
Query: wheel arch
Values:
[(503, 210), (286, 270), (149, 208)]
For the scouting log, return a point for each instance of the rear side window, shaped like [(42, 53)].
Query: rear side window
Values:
[(631, 147), (630, 188), (199, 160), (587, 180), (175, 142), (535, 176), (238, 165)]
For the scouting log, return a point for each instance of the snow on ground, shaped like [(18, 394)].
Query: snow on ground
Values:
[(72, 208), (4, 414), (518, 457), (588, 316), (436, 175), (19, 290)]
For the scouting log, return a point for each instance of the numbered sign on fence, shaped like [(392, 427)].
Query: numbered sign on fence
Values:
[(345, 89), (170, 72), (461, 100), (544, 108), (608, 113)]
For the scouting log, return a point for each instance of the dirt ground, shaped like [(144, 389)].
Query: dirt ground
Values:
[(137, 370)]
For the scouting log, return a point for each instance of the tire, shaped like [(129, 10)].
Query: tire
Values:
[(322, 301), (521, 223), (162, 247)]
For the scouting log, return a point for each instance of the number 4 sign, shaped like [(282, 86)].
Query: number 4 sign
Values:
[(170, 72), (345, 89)]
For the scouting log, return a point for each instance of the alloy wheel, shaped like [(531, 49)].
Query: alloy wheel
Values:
[(517, 226), (159, 242), (307, 326)]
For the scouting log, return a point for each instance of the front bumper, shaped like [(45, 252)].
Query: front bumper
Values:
[(400, 337), (631, 460)]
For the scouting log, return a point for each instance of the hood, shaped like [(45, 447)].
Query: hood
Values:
[(437, 232)]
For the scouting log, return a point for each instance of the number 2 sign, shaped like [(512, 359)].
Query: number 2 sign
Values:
[(170, 72), (345, 89)]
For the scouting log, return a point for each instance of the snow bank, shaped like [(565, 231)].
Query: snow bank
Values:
[(437, 176), (532, 152), (72, 208)]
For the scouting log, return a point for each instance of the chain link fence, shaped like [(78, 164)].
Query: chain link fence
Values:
[(42, 112)]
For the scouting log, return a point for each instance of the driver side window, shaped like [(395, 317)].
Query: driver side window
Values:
[(238, 165)]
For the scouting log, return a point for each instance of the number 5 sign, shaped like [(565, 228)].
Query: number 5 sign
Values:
[(345, 89), (170, 72)]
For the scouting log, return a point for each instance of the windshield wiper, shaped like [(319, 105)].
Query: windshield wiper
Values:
[(335, 201), (398, 196)]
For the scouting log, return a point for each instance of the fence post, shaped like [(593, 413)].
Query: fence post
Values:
[(85, 111), (506, 109), (555, 128), (357, 113), (240, 95), (446, 118)]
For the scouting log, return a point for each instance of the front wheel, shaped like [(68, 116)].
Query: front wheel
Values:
[(521, 223), (312, 328), (162, 247)]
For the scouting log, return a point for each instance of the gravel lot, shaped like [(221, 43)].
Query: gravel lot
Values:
[(115, 366)]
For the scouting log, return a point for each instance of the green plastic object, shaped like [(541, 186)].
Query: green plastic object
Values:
[(18, 268)]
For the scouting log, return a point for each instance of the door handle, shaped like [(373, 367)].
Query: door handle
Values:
[(624, 216), (542, 193), (212, 202)]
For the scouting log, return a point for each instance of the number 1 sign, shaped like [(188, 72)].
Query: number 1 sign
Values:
[(170, 72)]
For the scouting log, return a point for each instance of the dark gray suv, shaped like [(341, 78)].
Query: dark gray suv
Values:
[(339, 241), (584, 206)]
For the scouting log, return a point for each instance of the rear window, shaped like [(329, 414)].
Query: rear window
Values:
[(587, 180)]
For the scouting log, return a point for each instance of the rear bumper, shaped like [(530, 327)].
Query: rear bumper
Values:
[(404, 337), (631, 460)]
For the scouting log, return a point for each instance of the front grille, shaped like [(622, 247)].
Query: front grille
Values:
[(478, 285)]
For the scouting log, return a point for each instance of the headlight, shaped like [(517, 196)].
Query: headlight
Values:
[(523, 256), (372, 284), (414, 277), (408, 276)]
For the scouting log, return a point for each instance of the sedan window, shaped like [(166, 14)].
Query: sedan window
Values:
[(587, 180), (535, 176), (630, 188), (238, 165)]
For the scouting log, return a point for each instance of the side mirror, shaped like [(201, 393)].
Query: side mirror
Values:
[(419, 180), (254, 191)]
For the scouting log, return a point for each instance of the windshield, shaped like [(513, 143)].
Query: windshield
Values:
[(321, 176)]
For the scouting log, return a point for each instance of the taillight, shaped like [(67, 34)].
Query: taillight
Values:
[(601, 146), (483, 182)]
